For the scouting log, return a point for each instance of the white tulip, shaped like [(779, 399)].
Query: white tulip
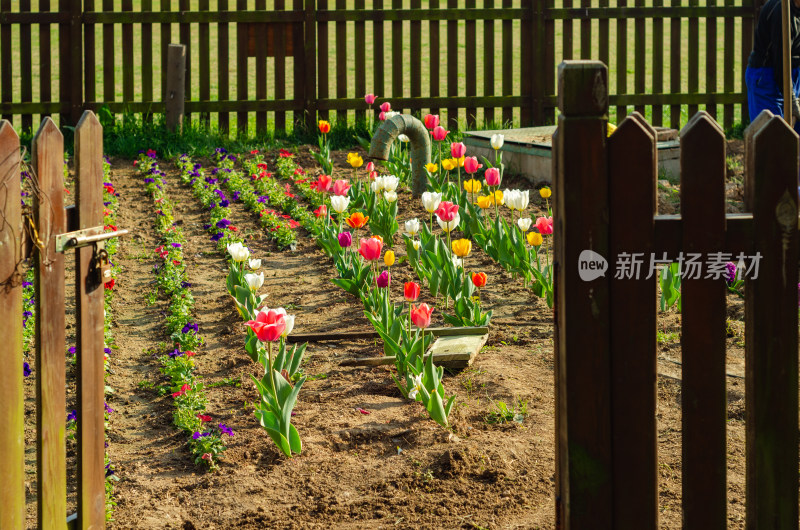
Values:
[(238, 252), (431, 200), (496, 141), (390, 196), (390, 183), (339, 203), (457, 262), (289, 319), (524, 223), (403, 138), (255, 264), (416, 244), (377, 185), (254, 281), (524, 199), (416, 384), (449, 226), (511, 198), (412, 227)]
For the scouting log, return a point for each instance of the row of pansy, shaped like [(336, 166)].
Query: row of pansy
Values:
[(205, 438)]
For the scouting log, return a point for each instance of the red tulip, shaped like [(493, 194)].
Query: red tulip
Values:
[(382, 116), (322, 210), (439, 133), (268, 325), (431, 121), (370, 248), (457, 149), (386, 106), (447, 211), (411, 291), (370, 98), (492, 176), (479, 279), (421, 316), (471, 164), (340, 187), (323, 184), (544, 225)]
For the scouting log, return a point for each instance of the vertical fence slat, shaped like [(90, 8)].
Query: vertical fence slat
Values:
[(361, 59), (567, 38), (526, 40), (632, 173), (728, 71), (435, 70), (299, 65), (280, 67), (508, 63), (693, 64), (127, 55), (147, 60), (603, 36), (452, 67), (26, 64), (45, 58), (549, 62), (640, 57), (12, 397), (241, 68), (586, 33), (658, 61), (415, 34), (622, 62), (6, 64), (488, 63), (771, 331), (711, 61), (703, 399), (64, 66), (471, 68), (49, 217), (223, 68), (311, 66), (109, 44), (204, 63), (398, 71), (748, 31), (186, 39), (675, 66), (75, 61), (322, 56), (581, 307), (341, 61), (166, 40), (262, 37), (89, 309)]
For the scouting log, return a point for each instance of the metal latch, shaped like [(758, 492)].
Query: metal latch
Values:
[(85, 237)]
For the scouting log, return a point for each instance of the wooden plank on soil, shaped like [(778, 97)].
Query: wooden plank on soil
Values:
[(456, 352), (48, 165), (370, 334)]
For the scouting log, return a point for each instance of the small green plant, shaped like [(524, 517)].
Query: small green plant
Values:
[(499, 412), (666, 336), (226, 381)]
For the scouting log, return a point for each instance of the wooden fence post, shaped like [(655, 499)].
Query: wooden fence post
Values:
[(90, 297), (703, 398), (771, 330), (50, 220), (176, 88), (632, 173), (12, 435), (583, 394)]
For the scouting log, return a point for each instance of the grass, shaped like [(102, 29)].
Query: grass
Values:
[(564, 47)]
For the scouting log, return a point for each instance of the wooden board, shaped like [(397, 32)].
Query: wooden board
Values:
[(453, 351)]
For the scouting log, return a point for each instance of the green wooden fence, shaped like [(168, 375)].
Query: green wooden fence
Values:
[(258, 64)]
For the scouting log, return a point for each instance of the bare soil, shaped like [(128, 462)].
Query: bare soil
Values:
[(390, 467)]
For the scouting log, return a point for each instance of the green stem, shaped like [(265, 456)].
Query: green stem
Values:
[(272, 374)]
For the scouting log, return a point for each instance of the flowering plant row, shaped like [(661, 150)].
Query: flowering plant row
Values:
[(204, 438)]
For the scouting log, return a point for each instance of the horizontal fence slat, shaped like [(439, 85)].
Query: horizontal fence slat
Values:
[(600, 13), (192, 17), (425, 14)]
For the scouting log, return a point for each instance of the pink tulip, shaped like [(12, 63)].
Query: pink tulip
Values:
[(340, 187), (439, 133), (370, 98), (458, 149), (447, 211), (382, 116), (386, 106), (492, 175), (431, 121), (370, 248), (471, 165), (544, 225), (268, 325), (370, 167), (421, 316)]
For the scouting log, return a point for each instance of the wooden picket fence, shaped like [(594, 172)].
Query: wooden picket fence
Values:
[(480, 60), (606, 328), (50, 219)]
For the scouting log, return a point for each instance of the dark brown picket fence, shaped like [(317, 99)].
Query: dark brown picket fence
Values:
[(50, 220), (606, 326), (282, 59)]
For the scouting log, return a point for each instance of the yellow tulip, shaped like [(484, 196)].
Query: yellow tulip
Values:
[(460, 161), (545, 192), (498, 197), (534, 239), (610, 128), (472, 186), (432, 168), (355, 160), (485, 202), (448, 164), (388, 258), (462, 247)]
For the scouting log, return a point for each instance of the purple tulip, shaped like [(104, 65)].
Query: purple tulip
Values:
[(383, 279), (345, 239), (731, 270)]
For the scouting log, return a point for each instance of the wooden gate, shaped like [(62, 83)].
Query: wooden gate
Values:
[(606, 434), (45, 229)]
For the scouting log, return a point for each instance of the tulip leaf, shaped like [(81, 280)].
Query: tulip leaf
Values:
[(251, 345), (294, 440)]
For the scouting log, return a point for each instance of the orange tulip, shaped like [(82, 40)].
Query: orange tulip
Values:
[(357, 220), (324, 127), (479, 279)]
